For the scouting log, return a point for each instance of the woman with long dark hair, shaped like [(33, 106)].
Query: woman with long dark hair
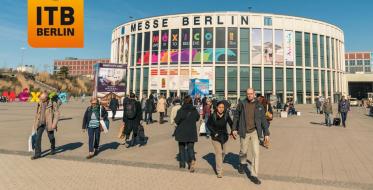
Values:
[(217, 124), (186, 133)]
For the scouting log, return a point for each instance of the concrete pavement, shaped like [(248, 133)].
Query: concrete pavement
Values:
[(303, 155)]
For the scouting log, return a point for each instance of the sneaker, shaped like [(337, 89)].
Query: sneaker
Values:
[(53, 152), (255, 180), (240, 169), (219, 176)]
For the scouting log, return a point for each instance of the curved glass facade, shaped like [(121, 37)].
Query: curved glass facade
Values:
[(289, 60)]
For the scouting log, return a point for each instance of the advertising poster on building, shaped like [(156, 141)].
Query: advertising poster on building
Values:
[(289, 48), (279, 47), (256, 46), (268, 47), (232, 45), (199, 86), (203, 73), (110, 78)]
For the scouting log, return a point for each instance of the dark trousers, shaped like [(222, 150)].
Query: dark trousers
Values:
[(114, 111), (186, 152), (39, 134), (149, 117), (161, 116), (317, 110), (93, 138), (344, 117)]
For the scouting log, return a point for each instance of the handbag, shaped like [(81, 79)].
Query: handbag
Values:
[(32, 141), (103, 127), (202, 128)]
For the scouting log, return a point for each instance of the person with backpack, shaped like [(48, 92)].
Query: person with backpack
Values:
[(217, 125), (186, 133), (46, 119), (161, 108), (113, 105), (91, 123), (343, 109), (328, 112), (131, 118)]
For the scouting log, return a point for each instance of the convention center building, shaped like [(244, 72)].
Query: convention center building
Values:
[(278, 55)]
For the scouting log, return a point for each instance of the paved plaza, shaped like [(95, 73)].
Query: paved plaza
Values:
[(303, 155)]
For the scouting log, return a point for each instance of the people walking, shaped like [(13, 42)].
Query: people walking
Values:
[(161, 108), (186, 133), (268, 115), (206, 113), (91, 122), (143, 106), (328, 112), (318, 105), (46, 119), (343, 109), (114, 106), (175, 108), (149, 109), (248, 119), (217, 125), (131, 118)]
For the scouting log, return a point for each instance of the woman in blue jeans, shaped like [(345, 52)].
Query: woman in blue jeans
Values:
[(91, 122)]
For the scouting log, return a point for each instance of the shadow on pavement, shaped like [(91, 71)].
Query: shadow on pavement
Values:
[(68, 118), (63, 148), (210, 158), (112, 145)]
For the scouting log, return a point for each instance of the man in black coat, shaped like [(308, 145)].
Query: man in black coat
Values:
[(131, 117), (114, 106)]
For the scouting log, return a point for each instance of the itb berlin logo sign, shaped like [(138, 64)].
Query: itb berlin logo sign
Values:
[(56, 23)]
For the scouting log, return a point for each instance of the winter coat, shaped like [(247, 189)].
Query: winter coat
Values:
[(327, 108), (88, 114), (186, 118), (344, 106), (114, 104), (161, 106), (52, 115), (239, 122), (218, 126)]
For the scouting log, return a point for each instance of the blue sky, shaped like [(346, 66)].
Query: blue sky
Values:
[(101, 16)]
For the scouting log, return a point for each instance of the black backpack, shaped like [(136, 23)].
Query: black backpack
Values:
[(130, 109)]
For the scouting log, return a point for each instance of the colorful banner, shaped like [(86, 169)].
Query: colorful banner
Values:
[(289, 48), (279, 47)]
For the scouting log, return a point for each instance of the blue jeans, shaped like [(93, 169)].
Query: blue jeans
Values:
[(186, 152), (344, 117), (328, 119), (93, 138), (317, 110)]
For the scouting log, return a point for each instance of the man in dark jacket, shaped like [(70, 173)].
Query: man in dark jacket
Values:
[(249, 118), (131, 118), (343, 109), (113, 105), (149, 109)]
